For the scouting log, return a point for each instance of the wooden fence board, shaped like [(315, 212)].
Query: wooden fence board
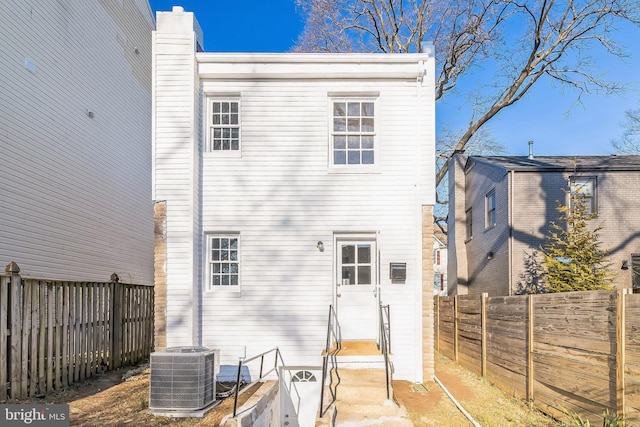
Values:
[(58, 360), (506, 379), (470, 363), (4, 331), (575, 381), (34, 337), (26, 331), (557, 404)]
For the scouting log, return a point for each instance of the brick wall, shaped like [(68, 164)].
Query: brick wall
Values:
[(428, 369), (160, 274)]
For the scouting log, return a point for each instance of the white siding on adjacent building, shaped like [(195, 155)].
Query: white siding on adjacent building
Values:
[(75, 190)]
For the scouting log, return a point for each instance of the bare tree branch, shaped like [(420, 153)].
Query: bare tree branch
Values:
[(524, 41), (629, 141)]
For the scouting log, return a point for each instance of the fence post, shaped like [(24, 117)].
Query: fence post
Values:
[(483, 324), (116, 322), (437, 323), (620, 351), (15, 320), (530, 371), (455, 328)]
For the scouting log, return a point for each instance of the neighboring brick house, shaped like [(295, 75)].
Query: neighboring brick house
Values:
[(501, 208), (286, 183), (439, 263)]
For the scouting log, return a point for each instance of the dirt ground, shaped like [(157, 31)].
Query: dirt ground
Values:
[(107, 400), (428, 405)]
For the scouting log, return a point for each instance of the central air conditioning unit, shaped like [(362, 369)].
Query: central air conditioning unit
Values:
[(183, 378)]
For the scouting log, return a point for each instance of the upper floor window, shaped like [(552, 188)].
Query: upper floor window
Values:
[(490, 205), (223, 259), (585, 188), (469, 223), (635, 272), (223, 125), (353, 132)]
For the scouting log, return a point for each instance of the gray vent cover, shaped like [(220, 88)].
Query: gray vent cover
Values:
[(182, 378)]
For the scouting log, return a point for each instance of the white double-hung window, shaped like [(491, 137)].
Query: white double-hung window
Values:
[(584, 189), (223, 260), (223, 125), (353, 132)]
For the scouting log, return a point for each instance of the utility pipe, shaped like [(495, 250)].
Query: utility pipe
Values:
[(458, 405)]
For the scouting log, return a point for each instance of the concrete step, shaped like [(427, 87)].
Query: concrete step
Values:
[(362, 400)]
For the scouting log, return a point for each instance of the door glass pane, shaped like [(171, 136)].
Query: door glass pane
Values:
[(349, 275), (364, 254), (348, 254), (364, 275)]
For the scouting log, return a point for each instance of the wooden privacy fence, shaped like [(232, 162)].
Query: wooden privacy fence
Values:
[(575, 352), (54, 333)]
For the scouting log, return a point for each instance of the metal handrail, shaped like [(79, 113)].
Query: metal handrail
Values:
[(333, 333), (385, 344), (243, 361)]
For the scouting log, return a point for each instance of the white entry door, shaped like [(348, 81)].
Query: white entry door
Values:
[(356, 288)]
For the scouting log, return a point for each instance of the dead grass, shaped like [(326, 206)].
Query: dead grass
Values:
[(106, 400)]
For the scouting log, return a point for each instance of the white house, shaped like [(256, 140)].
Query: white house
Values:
[(75, 133), (286, 183)]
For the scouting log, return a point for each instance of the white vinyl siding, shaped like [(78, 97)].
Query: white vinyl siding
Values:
[(286, 200), (76, 190)]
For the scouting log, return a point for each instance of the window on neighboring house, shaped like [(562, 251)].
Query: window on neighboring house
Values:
[(635, 272), (353, 133), (490, 204), (223, 260), (469, 223), (224, 125), (584, 187)]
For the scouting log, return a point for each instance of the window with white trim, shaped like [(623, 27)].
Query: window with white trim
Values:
[(585, 189), (223, 260), (490, 206), (223, 133), (353, 132), (469, 223)]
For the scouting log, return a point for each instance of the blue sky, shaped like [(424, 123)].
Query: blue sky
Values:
[(548, 116)]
